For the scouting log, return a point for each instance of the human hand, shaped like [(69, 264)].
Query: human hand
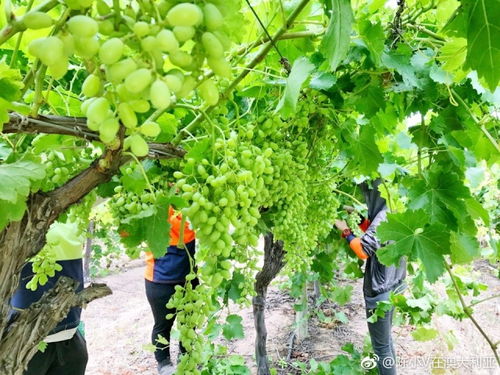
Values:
[(341, 225), (349, 209)]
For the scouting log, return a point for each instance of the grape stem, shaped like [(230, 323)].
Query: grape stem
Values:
[(18, 26), (77, 127), (257, 59), (347, 195), (117, 11), (467, 312), (476, 120)]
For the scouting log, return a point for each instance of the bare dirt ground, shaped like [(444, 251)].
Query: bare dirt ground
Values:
[(118, 326)]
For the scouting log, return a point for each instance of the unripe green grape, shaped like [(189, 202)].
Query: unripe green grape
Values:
[(86, 47), (109, 129), (212, 17), (85, 105), (209, 92), (124, 94), (111, 51), (102, 8), (49, 50), (138, 145), (92, 125), (188, 87), (127, 115), (37, 20), (68, 43), (73, 4), (98, 110), (185, 14), (180, 58), (158, 58), (220, 66), (166, 41), (60, 68), (130, 13), (223, 38), (150, 129), (184, 33), (106, 27), (82, 26), (139, 105), (141, 29), (120, 70), (174, 82), (91, 86), (85, 3), (149, 43), (138, 80), (213, 47), (159, 94)]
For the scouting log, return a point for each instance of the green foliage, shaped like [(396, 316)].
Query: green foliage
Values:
[(425, 334), (483, 36), (335, 44), (16, 180), (233, 329), (417, 106), (300, 71), (415, 238)]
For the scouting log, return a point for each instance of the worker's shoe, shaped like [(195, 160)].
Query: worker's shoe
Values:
[(166, 368)]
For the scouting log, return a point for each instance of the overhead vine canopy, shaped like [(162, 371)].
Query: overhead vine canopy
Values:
[(250, 117)]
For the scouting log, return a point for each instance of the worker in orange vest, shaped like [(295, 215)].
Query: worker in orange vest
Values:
[(162, 275)]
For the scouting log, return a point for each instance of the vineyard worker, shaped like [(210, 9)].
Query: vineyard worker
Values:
[(379, 280), (162, 275), (66, 350)]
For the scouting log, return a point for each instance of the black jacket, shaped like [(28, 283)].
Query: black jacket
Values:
[(378, 277)]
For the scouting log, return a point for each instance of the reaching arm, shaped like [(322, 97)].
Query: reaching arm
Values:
[(366, 245)]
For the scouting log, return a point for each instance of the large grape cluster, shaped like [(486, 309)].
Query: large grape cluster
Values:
[(262, 168), (139, 61)]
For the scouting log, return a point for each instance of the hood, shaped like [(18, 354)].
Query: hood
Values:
[(374, 201)]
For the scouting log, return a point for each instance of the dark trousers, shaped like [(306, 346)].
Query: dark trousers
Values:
[(158, 296), (67, 357), (381, 336)]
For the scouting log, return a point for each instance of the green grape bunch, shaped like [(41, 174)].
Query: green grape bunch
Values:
[(139, 64)]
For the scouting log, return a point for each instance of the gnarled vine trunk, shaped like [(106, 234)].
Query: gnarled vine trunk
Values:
[(273, 263), (22, 240)]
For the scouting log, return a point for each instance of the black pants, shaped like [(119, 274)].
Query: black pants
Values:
[(381, 337), (158, 296), (61, 358)]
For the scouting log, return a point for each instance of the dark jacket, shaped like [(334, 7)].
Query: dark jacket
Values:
[(24, 297), (378, 277)]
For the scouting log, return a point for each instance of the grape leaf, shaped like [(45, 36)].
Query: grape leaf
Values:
[(440, 195), (483, 36), (301, 69), (11, 211), (453, 54), (157, 234), (413, 237), (335, 44), (374, 38), (424, 334), (16, 179), (322, 81), (477, 211), (233, 329), (399, 60), (464, 248), (365, 151)]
